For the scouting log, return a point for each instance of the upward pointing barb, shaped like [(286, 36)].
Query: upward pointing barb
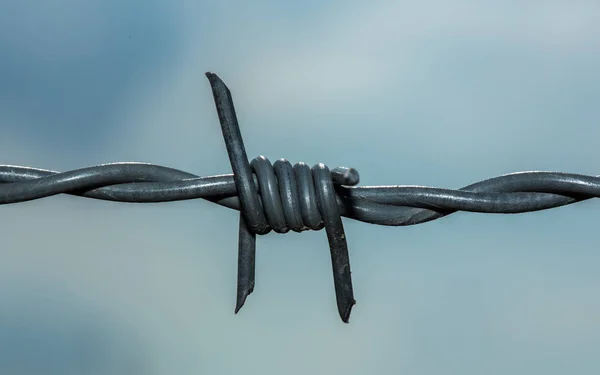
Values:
[(309, 202)]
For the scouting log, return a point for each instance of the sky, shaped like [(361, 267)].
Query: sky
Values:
[(427, 93)]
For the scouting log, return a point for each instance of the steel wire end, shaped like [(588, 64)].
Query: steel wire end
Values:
[(246, 262)]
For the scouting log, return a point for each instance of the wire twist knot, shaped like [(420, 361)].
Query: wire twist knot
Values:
[(291, 197)]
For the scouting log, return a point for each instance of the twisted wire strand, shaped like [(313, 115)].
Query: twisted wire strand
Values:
[(395, 205), (282, 197)]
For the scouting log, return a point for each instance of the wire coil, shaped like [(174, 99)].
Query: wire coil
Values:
[(288, 194)]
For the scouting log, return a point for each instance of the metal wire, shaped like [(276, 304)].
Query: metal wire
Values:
[(282, 197)]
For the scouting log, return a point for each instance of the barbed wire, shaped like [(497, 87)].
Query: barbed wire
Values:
[(282, 197)]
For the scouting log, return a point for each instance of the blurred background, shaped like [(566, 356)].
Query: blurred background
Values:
[(420, 93)]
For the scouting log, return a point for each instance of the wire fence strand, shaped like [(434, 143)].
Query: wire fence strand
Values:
[(397, 205), (282, 197)]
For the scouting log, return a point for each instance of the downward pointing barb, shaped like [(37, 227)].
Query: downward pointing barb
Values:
[(246, 263)]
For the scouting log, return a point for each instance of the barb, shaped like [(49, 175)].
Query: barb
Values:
[(282, 197)]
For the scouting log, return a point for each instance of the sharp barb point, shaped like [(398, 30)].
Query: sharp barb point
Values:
[(241, 298), (345, 315)]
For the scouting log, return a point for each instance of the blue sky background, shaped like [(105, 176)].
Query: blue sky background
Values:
[(420, 93)]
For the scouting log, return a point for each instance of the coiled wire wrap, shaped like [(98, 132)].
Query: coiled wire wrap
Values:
[(274, 191), (288, 195)]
